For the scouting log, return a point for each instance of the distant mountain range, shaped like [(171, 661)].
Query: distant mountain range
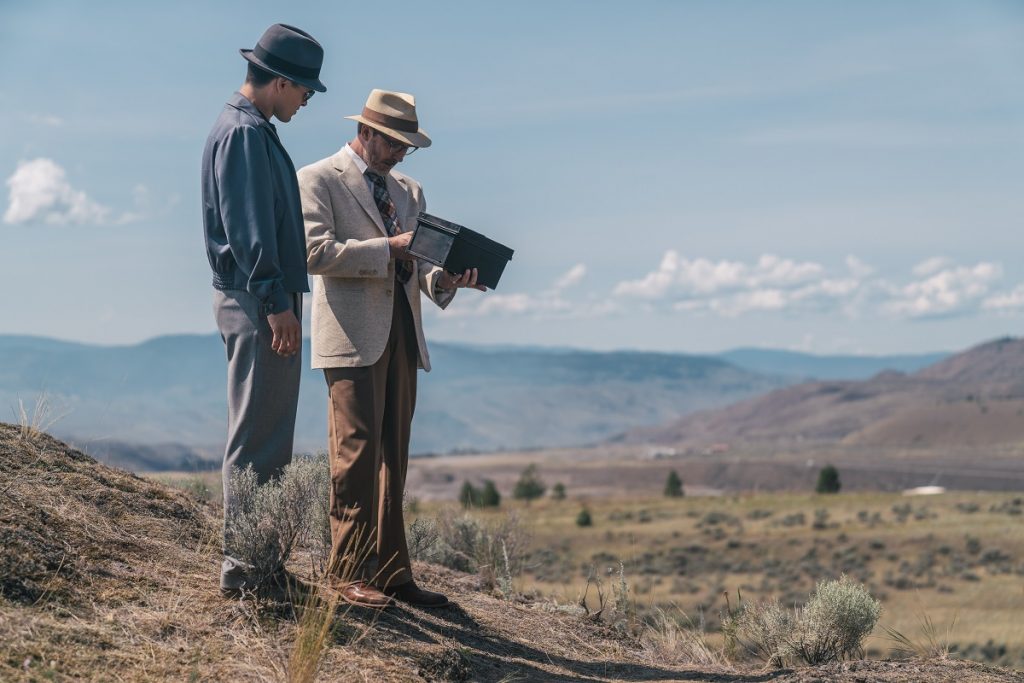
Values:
[(974, 398), (160, 404)]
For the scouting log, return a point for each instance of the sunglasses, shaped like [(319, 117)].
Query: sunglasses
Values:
[(306, 95)]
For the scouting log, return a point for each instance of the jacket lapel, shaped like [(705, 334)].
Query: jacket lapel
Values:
[(355, 183)]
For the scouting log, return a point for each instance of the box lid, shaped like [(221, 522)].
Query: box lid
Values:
[(464, 233)]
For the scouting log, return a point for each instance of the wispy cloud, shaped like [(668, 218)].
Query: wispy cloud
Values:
[(1006, 302), (550, 302), (39, 191), (48, 120)]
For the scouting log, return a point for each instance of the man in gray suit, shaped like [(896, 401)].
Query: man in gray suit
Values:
[(368, 337), (252, 217)]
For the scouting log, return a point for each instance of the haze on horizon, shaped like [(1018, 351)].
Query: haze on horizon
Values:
[(677, 176)]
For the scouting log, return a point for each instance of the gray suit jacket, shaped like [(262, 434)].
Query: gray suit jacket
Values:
[(251, 211), (353, 273)]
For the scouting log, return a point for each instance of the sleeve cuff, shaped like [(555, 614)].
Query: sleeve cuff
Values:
[(278, 302)]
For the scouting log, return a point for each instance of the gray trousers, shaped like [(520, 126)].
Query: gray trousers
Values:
[(263, 395)]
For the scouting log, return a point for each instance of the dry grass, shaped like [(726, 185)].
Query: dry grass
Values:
[(109, 577)]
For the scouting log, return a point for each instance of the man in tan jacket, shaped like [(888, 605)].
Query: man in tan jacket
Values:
[(368, 338)]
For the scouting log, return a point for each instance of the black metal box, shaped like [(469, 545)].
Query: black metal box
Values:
[(456, 248)]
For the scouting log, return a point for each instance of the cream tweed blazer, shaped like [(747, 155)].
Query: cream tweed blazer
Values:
[(353, 273)]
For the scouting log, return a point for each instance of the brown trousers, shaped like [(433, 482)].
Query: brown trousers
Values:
[(370, 413)]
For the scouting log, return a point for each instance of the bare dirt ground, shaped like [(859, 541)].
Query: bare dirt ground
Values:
[(106, 576)]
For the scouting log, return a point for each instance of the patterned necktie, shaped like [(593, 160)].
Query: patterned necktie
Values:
[(389, 214)]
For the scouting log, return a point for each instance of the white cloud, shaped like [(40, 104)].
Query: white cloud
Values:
[(680, 277), (948, 291), (731, 288), (39, 191), (572, 277), (1007, 301), (930, 266), (769, 284)]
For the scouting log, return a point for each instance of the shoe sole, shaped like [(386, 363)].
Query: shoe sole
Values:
[(368, 605)]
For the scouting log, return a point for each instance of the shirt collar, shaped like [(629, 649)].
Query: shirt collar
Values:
[(360, 164), (241, 102)]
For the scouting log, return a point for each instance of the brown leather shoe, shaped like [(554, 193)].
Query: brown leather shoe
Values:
[(363, 594), (412, 594)]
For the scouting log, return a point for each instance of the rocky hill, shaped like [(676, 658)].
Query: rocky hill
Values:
[(106, 576), (974, 398)]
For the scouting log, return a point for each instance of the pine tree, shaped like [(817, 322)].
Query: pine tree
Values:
[(673, 485), (529, 485), (489, 496), (828, 480), (583, 518), (558, 491), (469, 495)]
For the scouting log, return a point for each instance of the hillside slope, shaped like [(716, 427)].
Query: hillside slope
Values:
[(106, 576), (974, 398)]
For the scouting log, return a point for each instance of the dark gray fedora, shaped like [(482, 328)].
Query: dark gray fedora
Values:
[(291, 53)]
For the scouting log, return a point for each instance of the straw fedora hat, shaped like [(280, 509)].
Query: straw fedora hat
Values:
[(394, 114), (291, 53)]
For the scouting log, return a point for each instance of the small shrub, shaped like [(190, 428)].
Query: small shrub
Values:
[(835, 622), (832, 626), (493, 549), (421, 536), (584, 518), (267, 522), (558, 491)]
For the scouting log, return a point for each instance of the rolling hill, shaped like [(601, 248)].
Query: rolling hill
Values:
[(974, 398), (161, 404)]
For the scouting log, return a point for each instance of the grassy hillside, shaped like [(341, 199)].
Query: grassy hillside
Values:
[(106, 576)]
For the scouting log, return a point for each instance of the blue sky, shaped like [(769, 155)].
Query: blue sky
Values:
[(685, 176)]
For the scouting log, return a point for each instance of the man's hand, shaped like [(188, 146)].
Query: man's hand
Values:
[(399, 245), (287, 331), (451, 281)]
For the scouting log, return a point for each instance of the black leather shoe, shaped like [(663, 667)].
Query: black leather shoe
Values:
[(412, 594)]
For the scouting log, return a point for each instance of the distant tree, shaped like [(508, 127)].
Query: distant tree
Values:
[(673, 485), (529, 485), (583, 518), (558, 491), (469, 495), (489, 496), (828, 480)]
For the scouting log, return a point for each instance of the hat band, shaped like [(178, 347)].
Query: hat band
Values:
[(283, 64), (403, 125)]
